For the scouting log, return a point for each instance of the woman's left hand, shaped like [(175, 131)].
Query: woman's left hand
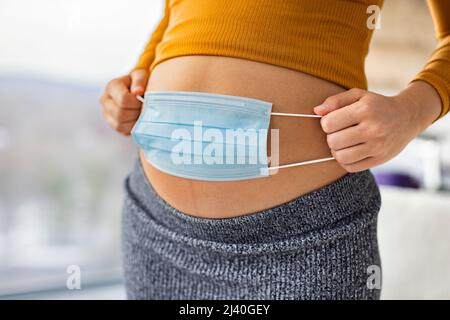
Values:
[(365, 129)]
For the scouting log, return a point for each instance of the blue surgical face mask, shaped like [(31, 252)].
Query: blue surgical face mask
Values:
[(205, 136)]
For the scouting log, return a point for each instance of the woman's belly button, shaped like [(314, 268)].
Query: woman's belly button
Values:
[(300, 139)]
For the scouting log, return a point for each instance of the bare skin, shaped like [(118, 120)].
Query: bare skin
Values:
[(361, 129)]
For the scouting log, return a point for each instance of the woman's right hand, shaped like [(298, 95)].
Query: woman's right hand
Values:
[(120, 106)]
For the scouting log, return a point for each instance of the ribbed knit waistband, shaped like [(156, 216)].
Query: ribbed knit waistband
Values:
[(325, 208)]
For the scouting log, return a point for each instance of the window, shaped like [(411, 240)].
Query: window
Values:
[(61, 167)]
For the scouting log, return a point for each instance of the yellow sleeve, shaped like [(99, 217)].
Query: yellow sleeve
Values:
[(148, 55), (437, 70)]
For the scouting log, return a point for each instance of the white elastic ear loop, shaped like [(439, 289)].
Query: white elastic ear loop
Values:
[(140, 99), (302, 115), (297, 164)]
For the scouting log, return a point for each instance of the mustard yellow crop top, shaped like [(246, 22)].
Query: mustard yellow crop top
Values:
[(324, 38)]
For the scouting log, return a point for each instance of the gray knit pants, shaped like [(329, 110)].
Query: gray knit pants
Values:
[(322, 245)]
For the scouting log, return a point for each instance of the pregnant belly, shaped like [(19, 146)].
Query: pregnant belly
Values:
[(300, 139)]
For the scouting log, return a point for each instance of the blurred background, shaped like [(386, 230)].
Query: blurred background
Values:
[(61, 167)]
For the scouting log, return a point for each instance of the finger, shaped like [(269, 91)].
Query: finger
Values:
[(361, 165), (139, 80), (341, 118), (119, 92), (346, 138), (103, 97), (339, 100), (353, 154), (120, 114), (123, 128), (109, 118)]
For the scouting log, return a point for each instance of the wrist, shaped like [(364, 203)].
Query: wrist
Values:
[(421, 104)]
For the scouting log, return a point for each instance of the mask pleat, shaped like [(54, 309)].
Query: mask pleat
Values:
[(204, 136)]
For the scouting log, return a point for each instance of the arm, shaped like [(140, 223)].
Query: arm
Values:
[(365, 129), (148, 55), (437, 71)]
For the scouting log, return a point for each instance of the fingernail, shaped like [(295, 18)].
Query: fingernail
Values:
[(321, 108), (135, 88)]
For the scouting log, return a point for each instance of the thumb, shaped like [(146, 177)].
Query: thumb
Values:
[(338, 101), (139, 80)]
